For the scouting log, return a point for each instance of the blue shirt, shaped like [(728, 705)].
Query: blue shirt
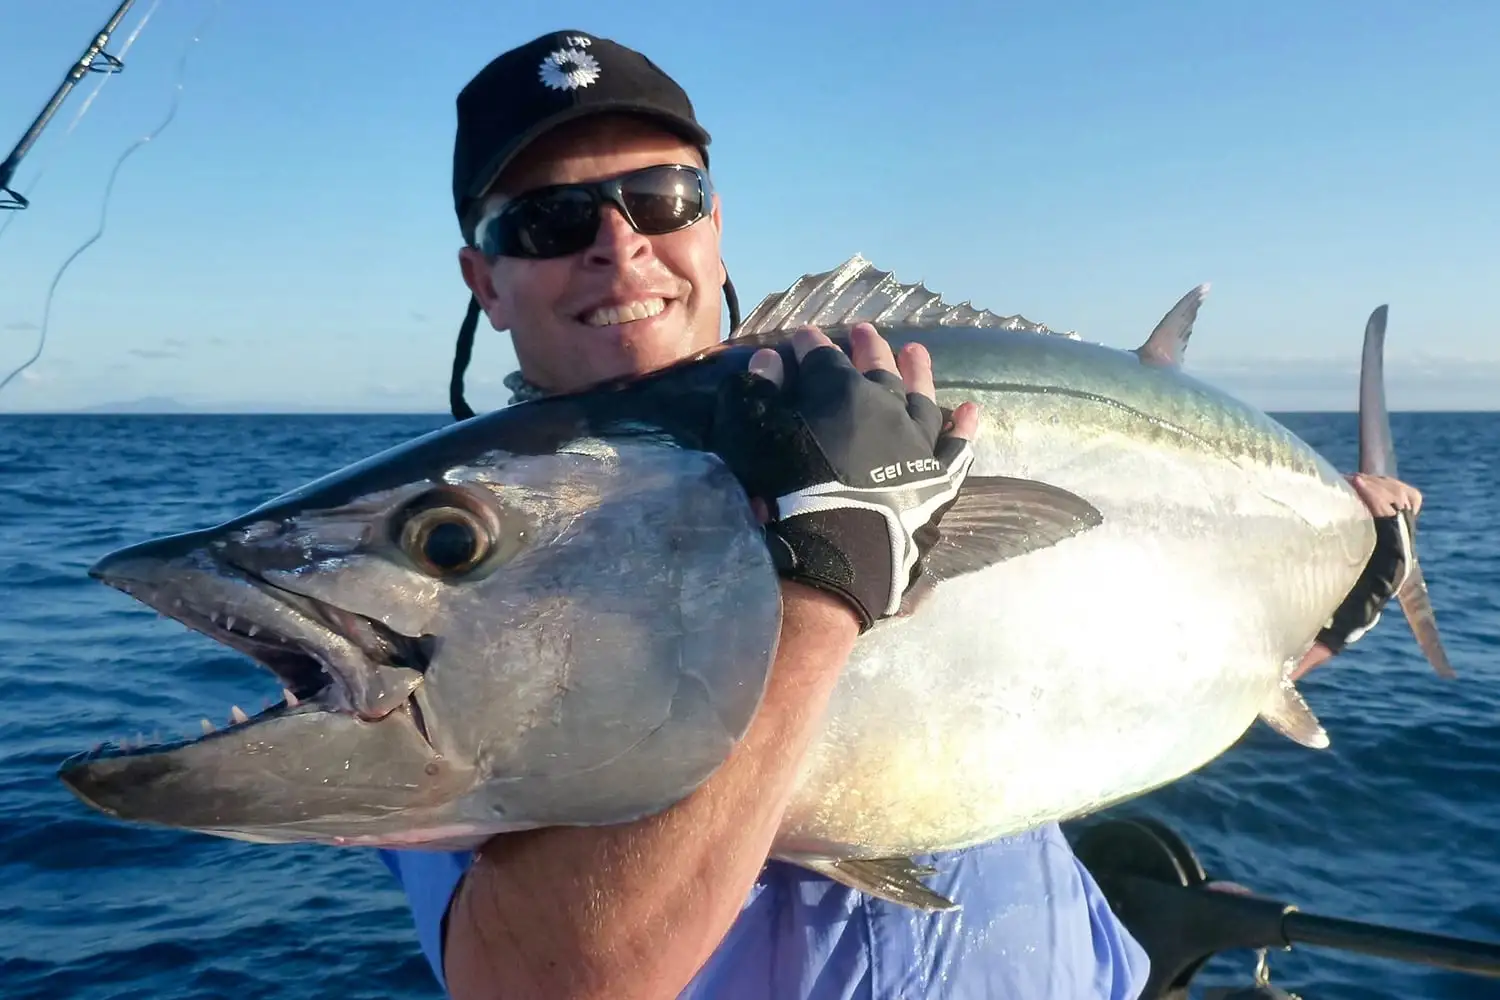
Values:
[(1033, 926)]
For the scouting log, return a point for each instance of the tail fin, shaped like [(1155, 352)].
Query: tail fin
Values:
[(1377, 457)]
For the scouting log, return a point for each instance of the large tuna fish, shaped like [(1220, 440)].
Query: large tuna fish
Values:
[(562, 612)]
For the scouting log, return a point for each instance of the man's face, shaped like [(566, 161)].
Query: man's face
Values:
[(570, 317)]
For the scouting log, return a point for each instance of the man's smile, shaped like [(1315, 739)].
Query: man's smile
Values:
[(627, 312)]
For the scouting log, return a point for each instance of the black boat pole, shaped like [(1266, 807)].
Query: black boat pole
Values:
[(1460, 955), (1158, 889), (106, 63)]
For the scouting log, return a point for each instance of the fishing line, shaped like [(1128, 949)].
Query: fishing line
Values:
[(109, 189), (88, 102)]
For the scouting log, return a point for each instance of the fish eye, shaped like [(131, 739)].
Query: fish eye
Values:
[(445, 541)]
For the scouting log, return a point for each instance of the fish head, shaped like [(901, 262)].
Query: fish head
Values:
[(477, 632)]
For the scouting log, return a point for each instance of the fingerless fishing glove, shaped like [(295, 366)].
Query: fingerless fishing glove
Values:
[(856, 471), (1383, 576)]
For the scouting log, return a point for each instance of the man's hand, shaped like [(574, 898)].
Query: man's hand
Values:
[(1385, 496), (850, 461), (1394, 505)]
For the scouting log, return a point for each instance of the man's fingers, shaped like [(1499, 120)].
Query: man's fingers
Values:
[(958, 433), (873, 352), (916, 370), (767, 364), (966, 421), (809, 339), (872, 356), (1385, 496), (870, 351)]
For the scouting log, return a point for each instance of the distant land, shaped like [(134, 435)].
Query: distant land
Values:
[(146, 404)]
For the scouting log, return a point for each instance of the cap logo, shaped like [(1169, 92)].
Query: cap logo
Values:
[(569, 69)]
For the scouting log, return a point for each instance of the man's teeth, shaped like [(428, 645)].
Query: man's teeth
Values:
[(610, 315)]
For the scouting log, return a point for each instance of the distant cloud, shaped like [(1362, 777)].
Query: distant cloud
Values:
[(47, 372), (22, 325), (172, 347), (45, 369), (1412, 383)]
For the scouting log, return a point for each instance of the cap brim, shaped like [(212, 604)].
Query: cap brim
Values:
[(686, 128)]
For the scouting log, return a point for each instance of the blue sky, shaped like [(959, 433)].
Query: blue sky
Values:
[(288, 241)]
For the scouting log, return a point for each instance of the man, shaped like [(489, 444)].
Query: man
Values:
[(623, 278)]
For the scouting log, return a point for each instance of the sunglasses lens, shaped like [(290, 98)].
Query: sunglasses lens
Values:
[(549, 225), (662, 199)]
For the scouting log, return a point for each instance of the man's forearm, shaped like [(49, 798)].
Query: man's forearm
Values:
[(634, 910)]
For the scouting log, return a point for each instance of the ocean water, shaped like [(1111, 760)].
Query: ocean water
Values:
[(1399, 822)]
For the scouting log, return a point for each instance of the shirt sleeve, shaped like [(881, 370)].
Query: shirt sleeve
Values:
[(429, 879)]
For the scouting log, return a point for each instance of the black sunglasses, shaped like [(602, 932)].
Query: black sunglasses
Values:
[(563, 219)]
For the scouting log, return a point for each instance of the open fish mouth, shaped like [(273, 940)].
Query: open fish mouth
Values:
[(327, 659)]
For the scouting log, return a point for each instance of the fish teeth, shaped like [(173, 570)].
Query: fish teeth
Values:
[(208, 727), (291, 699), (253, 630), (237, 714), (229, 622)]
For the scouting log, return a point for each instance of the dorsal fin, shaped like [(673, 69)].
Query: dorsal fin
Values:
[(1168, 342), (857, 292)]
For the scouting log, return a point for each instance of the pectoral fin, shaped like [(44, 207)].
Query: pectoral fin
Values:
[(895, 880), (996, 518), (1288, 714)]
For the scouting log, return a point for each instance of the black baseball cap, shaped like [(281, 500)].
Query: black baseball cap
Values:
[(559, 77)]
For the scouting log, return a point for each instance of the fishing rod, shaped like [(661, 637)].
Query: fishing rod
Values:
[(111, 64), (1182, 918), (93, 60)]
